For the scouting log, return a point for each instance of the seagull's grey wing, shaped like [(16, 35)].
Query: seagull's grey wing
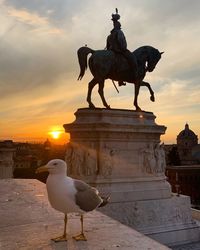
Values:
[(87, 197)]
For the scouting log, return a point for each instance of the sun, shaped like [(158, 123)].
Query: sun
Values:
[(55, 134)]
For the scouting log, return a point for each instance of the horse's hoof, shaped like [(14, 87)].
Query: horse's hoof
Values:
[(152, 98), (108, 107), (91, 106)]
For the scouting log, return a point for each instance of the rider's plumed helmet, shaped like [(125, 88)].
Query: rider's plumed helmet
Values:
[(115, 17)]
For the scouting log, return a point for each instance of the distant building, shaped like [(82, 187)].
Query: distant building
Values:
[(183, 166), (172, 155), (47, 145), (185, 180), (26, 159), (52, 151), (6, 159), (47, 148), (182, 153), (186, 141), (29, 156), (22, 157)]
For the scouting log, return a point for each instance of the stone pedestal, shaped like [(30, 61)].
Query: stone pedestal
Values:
[(119, 152), (6, 159)]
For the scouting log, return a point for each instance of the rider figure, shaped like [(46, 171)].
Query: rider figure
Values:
[(116, 42)]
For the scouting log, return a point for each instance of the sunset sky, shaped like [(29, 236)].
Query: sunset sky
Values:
[(39, 91)]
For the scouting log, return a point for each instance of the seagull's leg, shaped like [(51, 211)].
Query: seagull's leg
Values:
[(64, 236), (81, 236)]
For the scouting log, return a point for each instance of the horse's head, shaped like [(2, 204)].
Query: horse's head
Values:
[(153, 57)]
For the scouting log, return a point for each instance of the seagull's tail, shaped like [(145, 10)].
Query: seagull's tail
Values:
[(105, 201)]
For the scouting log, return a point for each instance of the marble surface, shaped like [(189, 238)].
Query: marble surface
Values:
[(27, 222)]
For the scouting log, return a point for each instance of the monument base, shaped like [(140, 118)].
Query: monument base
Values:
[(133, 189), (119, 152), (168, 221)]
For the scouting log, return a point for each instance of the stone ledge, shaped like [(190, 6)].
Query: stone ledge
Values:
[(28, 222)]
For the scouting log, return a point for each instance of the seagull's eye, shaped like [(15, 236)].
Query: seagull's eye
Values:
[(55, 164)]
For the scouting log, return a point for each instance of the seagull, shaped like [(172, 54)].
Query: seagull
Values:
[(69, 195)]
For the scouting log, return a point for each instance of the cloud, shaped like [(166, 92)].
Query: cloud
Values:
[(27, 17), (39, 24), (39, 67), (30, 58)]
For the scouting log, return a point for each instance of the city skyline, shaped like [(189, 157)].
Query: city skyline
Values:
[(39, 91)]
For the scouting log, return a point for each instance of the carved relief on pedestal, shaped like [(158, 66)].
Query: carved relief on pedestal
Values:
[(152, 158), (160, 158), (75, 159), (106, 161), (90, 166), (86, 161), (136, 215), (147, 159), (80, 160)]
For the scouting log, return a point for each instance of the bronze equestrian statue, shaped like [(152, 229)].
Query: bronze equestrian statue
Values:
[(121, 66)]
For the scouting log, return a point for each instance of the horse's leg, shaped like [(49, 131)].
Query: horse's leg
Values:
[(101, 93), (137, 88), (91, 85), (146, 84)]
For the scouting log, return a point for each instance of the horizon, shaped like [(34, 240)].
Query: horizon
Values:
[(39, 91), (65, 138), (60, 141)]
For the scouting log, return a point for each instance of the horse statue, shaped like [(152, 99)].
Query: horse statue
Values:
[(105, 64)]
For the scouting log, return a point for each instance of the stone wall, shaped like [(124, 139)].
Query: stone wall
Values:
[(6, 159)]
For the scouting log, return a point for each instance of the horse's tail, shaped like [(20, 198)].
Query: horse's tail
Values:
[(82, 59)]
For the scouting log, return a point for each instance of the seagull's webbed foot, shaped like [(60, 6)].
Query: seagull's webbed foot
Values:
[(80, 237), (64, 236), (60, 238)]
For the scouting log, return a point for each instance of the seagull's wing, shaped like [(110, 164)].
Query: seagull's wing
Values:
[(87, 197)]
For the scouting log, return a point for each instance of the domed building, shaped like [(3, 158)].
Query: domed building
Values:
[(184, 177), (186, 141)]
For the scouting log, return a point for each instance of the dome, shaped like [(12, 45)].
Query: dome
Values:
[(187, 133), (47, 144)]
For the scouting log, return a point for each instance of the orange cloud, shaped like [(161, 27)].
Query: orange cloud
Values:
[(41, 23), (27, 17)]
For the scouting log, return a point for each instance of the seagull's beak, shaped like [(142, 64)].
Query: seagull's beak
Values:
[(41, 169)]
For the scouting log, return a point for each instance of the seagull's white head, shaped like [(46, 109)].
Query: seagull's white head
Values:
[(55, 166)]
